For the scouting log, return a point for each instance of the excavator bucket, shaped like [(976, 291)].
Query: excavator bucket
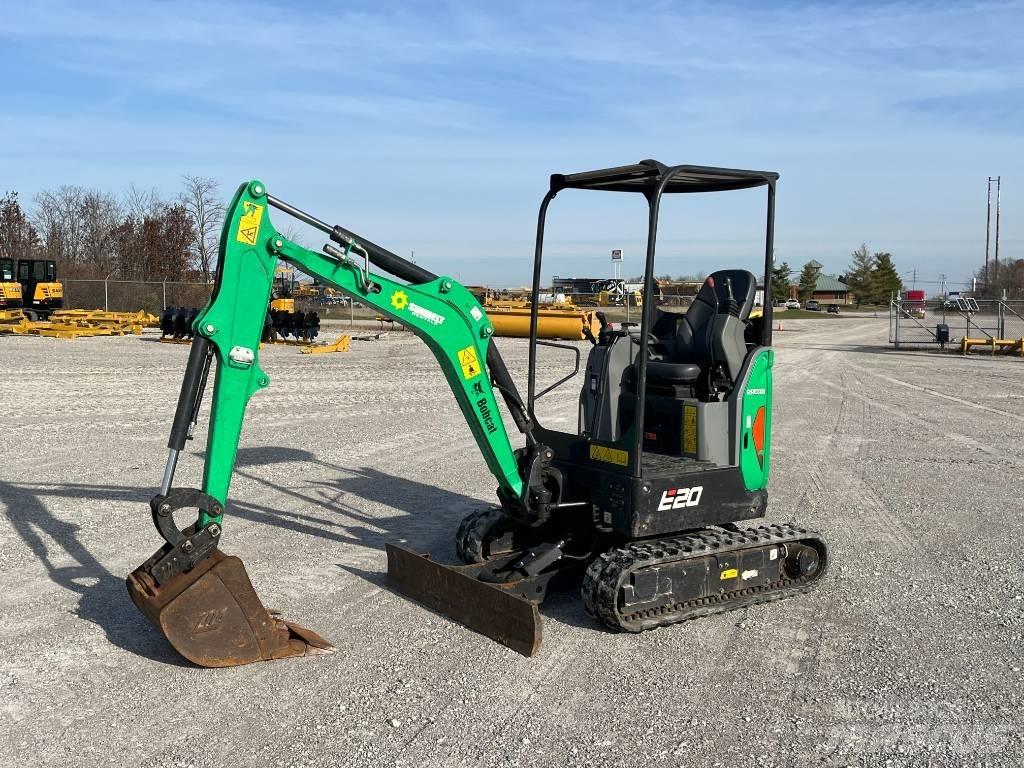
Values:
[(212, 616), (499, 611)]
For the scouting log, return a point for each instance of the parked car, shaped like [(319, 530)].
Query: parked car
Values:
[(792, 304), (833, 309), (812, 306)]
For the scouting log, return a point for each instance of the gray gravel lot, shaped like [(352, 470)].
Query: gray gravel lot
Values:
[(910, 654)]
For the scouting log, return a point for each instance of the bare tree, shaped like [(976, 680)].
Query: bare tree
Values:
[(157, 246), (101, 215), (294, 234), (204, 205), (140, 203), (76, 225), (58, 219), (18, 238)]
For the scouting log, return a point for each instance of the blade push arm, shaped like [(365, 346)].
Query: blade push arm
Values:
[(440, 311)]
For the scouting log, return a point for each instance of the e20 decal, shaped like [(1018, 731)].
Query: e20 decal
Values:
[(677, 498)]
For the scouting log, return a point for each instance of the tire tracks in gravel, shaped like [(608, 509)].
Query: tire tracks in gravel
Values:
[(903, 414), (943, 395), (802, 629)]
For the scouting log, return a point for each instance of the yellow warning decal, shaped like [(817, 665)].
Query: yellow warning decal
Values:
[(469, 362), (609, 455), (249, 223), (690, 429), (729, 573)]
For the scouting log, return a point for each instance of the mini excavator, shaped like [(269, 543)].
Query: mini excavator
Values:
[(638, 507)]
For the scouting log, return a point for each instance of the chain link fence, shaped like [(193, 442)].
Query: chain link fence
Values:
[(914, 325), (133, 295), (153, 296)]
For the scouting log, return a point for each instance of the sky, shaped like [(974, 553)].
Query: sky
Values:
[(432, 128)]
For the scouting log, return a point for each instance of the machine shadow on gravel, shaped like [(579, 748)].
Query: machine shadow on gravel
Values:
[(101, 593), (427, 508), (102, 599)]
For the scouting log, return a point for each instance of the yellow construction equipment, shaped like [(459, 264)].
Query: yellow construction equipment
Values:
[(10, 289), (125, 322), (73, 323), (14, 321), (41, 293), (341, 345), (1008, 346), (562, 320)]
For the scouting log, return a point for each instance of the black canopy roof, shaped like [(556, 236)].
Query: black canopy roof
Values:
[(647, 174)]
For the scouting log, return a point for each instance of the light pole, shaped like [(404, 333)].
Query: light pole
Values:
[(106, 302)]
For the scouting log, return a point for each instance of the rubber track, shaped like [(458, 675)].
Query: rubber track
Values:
[(607, 574)]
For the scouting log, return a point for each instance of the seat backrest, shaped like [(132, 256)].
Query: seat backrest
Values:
[(695, 340)]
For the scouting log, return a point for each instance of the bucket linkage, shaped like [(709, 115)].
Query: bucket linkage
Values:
[(199, 598)]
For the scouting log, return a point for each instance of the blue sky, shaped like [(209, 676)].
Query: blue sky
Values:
[(434, 127)]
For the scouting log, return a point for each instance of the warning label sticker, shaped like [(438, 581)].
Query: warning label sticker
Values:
[(469, 362), (690, 429), (610, 455), (249, 223)]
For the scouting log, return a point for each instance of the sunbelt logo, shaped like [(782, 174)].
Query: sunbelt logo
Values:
[(677, 498)]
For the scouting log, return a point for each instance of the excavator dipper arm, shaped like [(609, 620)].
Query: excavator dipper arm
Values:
[(201, 599)]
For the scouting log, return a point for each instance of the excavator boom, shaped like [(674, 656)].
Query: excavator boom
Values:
[(201, 599)]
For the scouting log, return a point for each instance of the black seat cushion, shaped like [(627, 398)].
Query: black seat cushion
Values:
[(673, 373)]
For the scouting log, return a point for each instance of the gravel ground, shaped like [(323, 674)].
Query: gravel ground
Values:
[(909, 654)]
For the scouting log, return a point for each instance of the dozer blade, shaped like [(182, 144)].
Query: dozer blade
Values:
[(212, 616), (495, 610)]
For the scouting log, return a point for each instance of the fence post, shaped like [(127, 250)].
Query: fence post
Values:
[(165, 293), (106, 303), (899, 311)]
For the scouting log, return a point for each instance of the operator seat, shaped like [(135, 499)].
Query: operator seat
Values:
[(704, 336)]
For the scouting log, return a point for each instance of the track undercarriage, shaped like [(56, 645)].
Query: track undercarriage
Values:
[(631, 587)]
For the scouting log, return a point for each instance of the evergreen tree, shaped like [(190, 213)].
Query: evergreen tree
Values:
[(885, 280), (858, 276), (780, 282), (808, 280)]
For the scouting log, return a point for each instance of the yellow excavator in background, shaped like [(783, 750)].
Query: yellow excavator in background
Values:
[(32, 291), (282, 297), (10, 291), (41, 292)]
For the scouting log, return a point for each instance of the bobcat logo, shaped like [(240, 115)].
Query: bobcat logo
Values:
[(209, 621)]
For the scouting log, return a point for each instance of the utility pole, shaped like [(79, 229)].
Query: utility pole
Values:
[(999, 195), (988, 228), (988, 225)]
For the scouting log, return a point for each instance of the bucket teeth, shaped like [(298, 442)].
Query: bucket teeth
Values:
[(212, 616)]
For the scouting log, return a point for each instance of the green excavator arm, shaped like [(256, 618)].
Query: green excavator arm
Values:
[(441, 312), (201, 599)]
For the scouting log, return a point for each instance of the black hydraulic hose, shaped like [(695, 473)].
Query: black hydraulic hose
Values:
[(195, 375), (383, 258)]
